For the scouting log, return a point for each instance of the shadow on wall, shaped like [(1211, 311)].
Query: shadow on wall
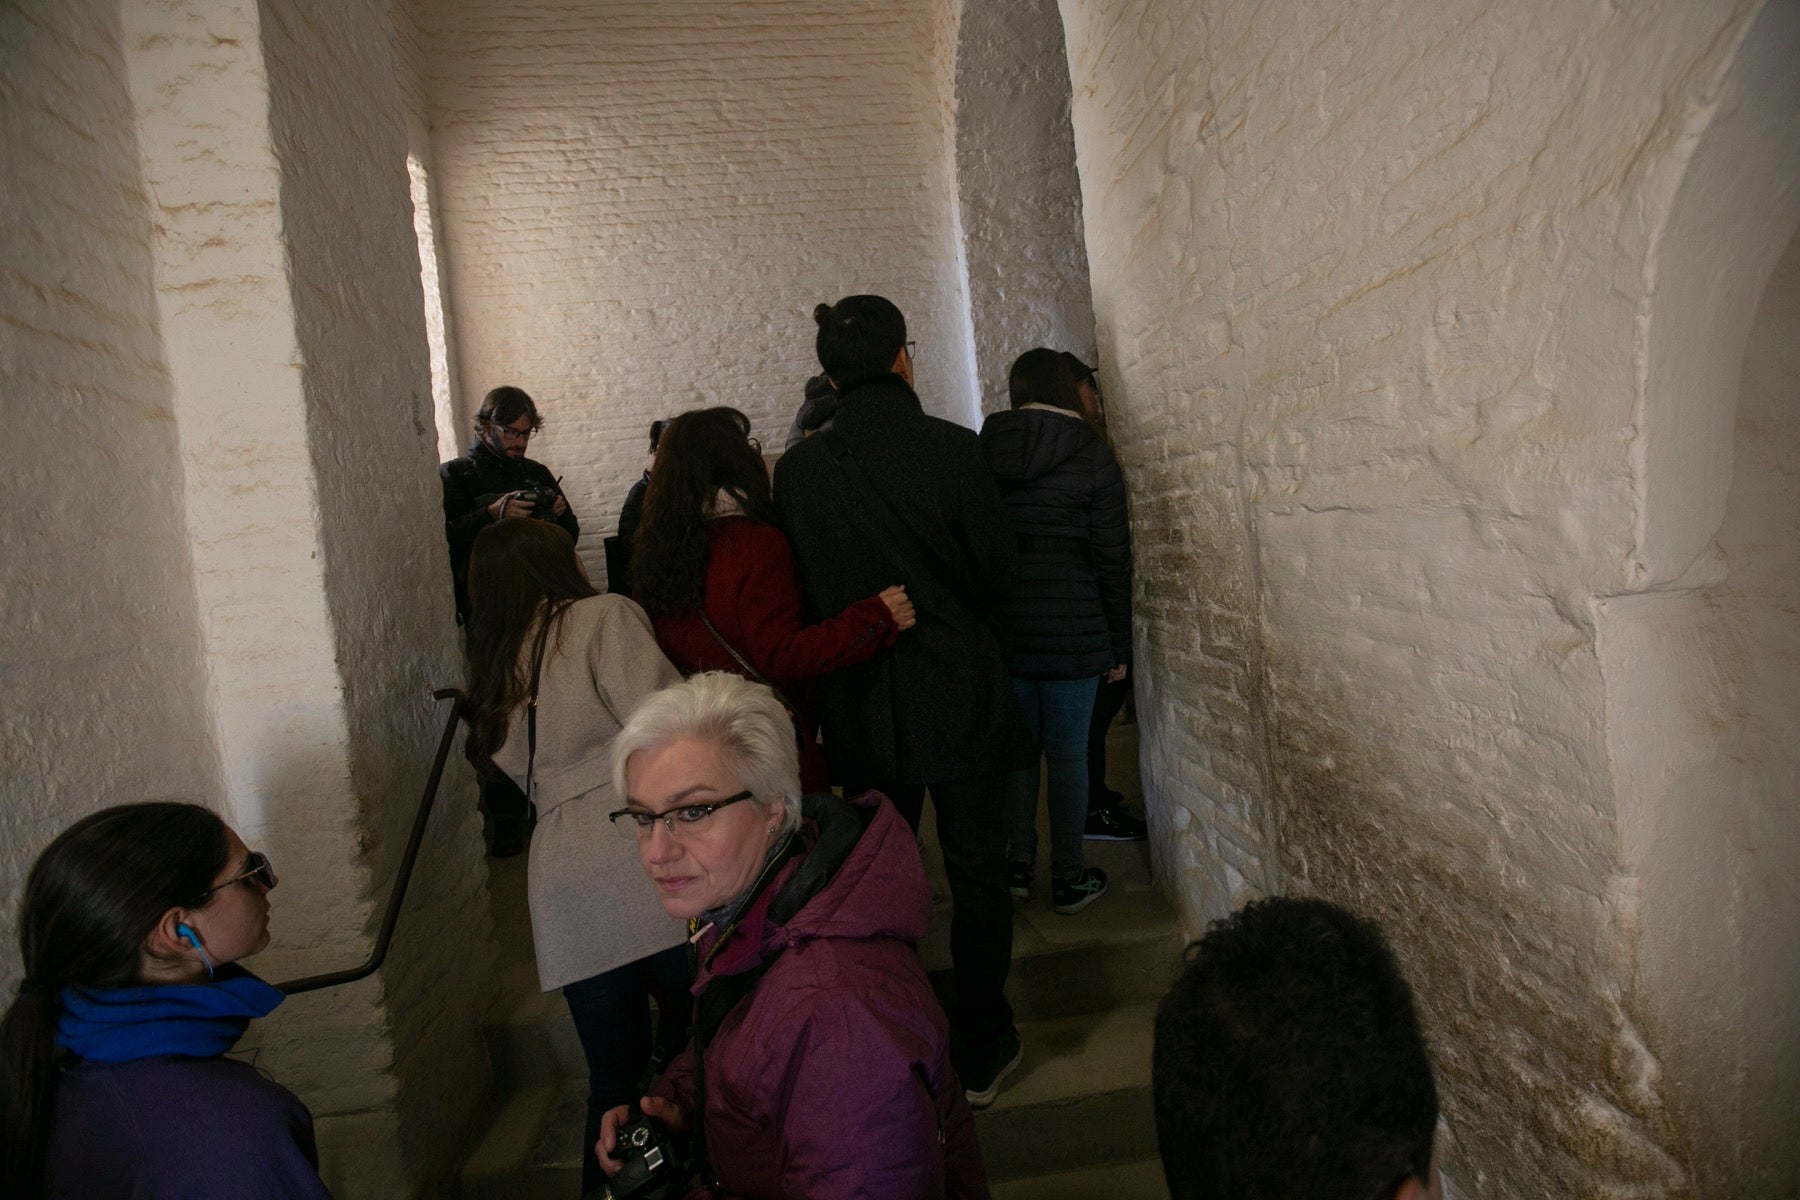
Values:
[(1516, 989)]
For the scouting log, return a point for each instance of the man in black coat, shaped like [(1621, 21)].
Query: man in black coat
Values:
[(481, 487), (484, 485), (888, 495)]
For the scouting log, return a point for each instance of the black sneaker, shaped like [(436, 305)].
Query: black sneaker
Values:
[(1114, 824), (980, 1092), (1018, 879), (1072, 895)]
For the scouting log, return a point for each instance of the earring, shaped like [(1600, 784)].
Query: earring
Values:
[(771, 829)]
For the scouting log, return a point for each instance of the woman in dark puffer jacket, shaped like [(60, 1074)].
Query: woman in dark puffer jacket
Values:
[(1070, 611)]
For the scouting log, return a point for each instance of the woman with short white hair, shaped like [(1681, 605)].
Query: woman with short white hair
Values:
[(816, 1024)]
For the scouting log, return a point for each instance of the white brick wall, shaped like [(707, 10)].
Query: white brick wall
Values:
[(1370, 289), (99, 642), (642, 202), (1020, 199), (232, 588)]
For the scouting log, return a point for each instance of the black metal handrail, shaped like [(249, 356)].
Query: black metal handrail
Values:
[(397, 897)]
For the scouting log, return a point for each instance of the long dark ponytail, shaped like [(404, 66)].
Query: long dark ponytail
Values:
[(519, 567), (702, 453), (91, 899)]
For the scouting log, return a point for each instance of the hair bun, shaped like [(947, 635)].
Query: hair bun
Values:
[(822, 313)]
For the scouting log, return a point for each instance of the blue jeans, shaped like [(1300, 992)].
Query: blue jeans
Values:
[(612, 1019), (1058, 712)]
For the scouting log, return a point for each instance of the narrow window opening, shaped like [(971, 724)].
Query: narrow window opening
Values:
[(436, 325)]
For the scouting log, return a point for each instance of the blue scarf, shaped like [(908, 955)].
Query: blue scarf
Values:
[(197, 1020)]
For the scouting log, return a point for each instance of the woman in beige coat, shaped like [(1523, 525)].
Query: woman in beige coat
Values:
[(555, 669)]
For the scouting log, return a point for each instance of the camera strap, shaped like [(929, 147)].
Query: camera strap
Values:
[(537, 671)]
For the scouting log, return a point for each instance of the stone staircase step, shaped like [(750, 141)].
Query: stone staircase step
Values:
[(1122, 949), (1140, 1180), (517, 1157), (1082, 1096)]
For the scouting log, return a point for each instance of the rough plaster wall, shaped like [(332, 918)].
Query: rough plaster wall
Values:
[(1368, 289), (1699, 654), (1019, 195), (354, 277), (643, 201), (1714, 771), (99, 637), (288, 297)]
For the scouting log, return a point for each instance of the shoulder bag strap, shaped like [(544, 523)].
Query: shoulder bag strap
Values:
[(743, 662), (537, 670)]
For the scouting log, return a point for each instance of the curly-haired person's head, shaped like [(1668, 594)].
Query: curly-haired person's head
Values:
[(1289, 1062)]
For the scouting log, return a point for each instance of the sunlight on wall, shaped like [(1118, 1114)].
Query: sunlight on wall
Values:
[(442, 410)]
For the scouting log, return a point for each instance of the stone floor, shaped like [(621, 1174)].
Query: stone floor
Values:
[(1073, 1123)]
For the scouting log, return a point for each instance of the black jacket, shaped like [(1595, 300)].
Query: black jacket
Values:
[(938, 705), (473, 482), (1069, 613)]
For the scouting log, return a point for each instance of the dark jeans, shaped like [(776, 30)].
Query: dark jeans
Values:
[(612, 1019), (1057, 710), (1109, 698), (971, 827)]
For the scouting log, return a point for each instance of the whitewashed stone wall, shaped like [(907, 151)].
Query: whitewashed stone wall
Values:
[(642, 202), (1372, 289), (100, 655), (234, 592), (1020, 199)]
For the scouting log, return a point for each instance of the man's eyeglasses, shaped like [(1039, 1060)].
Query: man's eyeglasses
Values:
[(683, 822), (507, 433), (257, 870)]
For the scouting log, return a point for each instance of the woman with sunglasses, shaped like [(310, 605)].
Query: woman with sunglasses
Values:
[(554, 669), (820, 1065), (718, 578), (114, 1075)]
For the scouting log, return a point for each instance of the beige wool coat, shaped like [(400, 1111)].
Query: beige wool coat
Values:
[(592, 909)]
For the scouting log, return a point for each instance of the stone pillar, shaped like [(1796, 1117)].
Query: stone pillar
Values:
[(1017, 190), (292, 319)]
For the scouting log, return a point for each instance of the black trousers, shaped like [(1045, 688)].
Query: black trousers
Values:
[(971, 829), (1109, 698)]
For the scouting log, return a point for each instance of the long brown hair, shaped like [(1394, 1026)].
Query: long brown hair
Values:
[(520, 567), (702, 453), (91, 899)]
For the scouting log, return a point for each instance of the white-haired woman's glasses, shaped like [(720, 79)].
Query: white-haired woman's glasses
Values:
[(685, 821)]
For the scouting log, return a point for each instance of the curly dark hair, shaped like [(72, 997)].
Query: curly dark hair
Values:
[(1288, 1061), (704, 454)]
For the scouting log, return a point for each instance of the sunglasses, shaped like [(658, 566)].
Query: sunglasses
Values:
[(257, 869)]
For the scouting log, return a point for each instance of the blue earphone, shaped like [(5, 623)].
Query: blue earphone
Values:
[(186, 932)]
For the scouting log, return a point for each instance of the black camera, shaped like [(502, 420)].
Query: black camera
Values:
[(543, 497), (653, 1168)]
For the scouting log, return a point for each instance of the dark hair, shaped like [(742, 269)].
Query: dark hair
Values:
[(1288, 1061), (91, 899), (1042, 377), (703, 453), (859, 338), (656, 432), (506, 404), (1080, 370), (518, 568)]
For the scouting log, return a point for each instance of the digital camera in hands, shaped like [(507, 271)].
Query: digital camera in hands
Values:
[(653, 1168), (543, 497)]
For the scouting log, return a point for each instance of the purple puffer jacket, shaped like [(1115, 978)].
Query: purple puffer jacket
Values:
[(832, 1079)]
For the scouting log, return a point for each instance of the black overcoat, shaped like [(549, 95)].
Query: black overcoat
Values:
[(938, 705), (473, 482)]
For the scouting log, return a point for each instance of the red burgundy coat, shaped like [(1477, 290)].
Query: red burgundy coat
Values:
[(752, 595)]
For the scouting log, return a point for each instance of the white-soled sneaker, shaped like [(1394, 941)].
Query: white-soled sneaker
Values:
[(1072, 895)]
